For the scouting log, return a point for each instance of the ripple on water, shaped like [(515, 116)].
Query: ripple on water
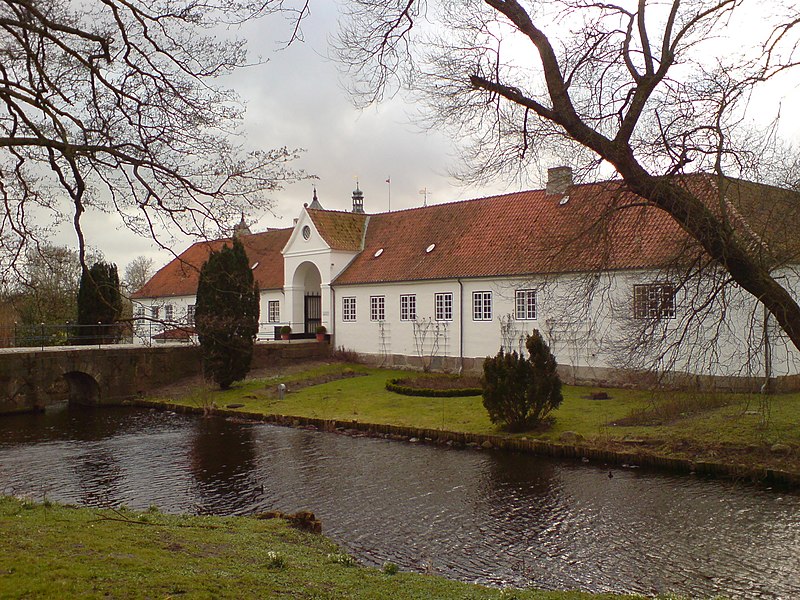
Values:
[(494, 518)]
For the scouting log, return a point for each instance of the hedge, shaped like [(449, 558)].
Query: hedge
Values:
[(393, 385)]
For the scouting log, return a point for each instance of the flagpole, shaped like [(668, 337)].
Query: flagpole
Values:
[(389, 181)]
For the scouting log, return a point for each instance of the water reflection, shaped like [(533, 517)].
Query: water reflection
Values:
[(222, 456), (98, 476), (62, 422), (476, 516)]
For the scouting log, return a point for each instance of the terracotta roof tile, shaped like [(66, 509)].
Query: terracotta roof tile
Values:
[(600, 226), (179, 277), (341, 230)]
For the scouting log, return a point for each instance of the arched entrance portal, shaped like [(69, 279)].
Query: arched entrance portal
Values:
[(308, 304)]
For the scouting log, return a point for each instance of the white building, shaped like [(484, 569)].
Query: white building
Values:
[(611, 282)]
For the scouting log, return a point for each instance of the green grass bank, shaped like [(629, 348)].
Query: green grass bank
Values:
[(54, 551), (755, 434)]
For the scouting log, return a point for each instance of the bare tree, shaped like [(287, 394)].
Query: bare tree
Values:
[(47, 289), (650, 90), (114, 106), (137, 273)]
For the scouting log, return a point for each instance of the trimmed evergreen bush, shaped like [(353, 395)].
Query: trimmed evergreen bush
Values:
[(395, 385), (99, 301), (226, 314), (520, 392)]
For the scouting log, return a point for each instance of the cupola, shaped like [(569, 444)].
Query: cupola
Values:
[(358, 200)]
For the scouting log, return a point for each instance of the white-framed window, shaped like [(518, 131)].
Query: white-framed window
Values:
[(168, 313), (443, 306), (140, 312), (377, 308), (654, 301), (154, 312), (408, 307), (190, 314), (481, 306), (348, 309), (525, 305), (274, 311)]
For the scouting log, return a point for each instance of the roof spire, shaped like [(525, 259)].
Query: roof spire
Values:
[(315, 202), (241, 228)]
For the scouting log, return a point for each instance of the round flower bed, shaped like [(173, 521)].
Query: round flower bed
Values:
[(437, 386)]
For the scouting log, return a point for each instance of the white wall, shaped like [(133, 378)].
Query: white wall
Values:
[(266, 329), (587, 319), (298, 253), (146, 328)]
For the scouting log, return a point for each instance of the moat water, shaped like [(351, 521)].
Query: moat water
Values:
[(487, 517)]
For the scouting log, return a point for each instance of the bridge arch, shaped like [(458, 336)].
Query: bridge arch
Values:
[(83, 388)]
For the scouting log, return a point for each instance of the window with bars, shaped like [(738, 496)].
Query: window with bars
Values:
[(377, 306), (443, 306), (481, 306), (190, 314), (274, 311), (654, 301), (526, 305), (348, 309), (408, 307)]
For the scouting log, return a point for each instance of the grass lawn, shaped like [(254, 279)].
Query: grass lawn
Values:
[(680, 424), (53, 551), (365, 398)]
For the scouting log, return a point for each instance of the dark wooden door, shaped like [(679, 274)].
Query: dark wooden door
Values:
[(313, 312)]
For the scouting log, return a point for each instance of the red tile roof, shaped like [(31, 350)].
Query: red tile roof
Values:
[(601, 226), (179, 277), (340, 230)]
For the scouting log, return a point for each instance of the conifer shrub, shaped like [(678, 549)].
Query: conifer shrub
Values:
[(519, 392), (226, 314), (99, 305)]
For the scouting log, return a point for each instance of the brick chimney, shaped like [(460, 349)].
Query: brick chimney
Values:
[(559, 180)]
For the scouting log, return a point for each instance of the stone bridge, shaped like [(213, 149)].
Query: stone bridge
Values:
[(33, 379)]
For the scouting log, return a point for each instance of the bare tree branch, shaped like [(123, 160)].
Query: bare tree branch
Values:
[(114, 106), (637, 84)]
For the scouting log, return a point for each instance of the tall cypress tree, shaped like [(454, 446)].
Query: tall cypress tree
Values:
[(226, 314), (99, 302)]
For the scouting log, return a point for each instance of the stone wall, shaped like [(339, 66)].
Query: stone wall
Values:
[(32, 380)]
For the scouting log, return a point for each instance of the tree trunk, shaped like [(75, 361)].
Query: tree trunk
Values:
[(719, 242)]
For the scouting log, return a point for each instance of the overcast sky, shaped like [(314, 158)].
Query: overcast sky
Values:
[(296, 99)]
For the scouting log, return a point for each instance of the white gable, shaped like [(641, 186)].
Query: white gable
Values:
[(305, 239)]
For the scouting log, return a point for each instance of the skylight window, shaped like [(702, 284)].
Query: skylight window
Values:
[(563, 201), (255, 264), (430, 248), (378, 252)]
